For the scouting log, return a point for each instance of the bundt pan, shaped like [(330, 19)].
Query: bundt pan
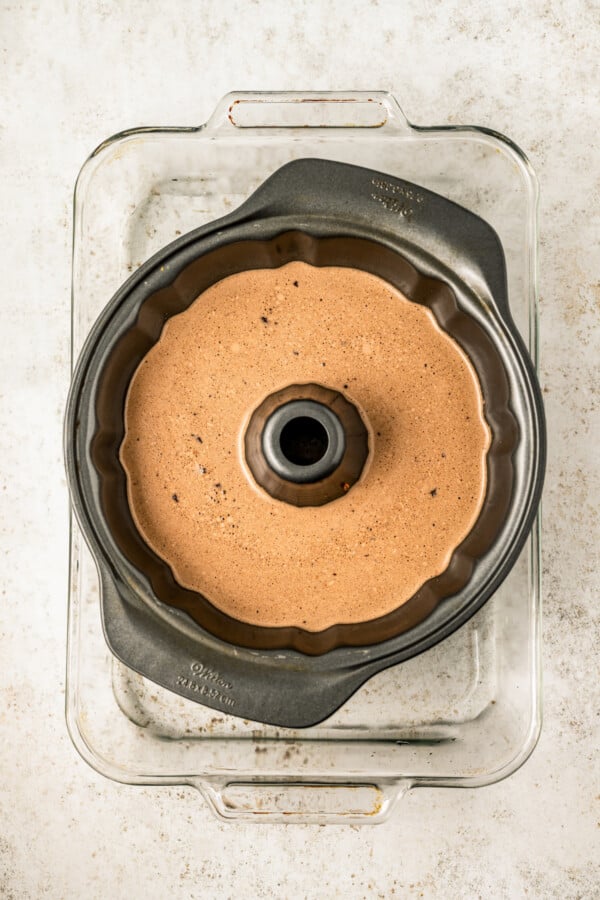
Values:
[(322, 213)]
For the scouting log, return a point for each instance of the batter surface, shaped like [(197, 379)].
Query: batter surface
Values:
[(264, 561)]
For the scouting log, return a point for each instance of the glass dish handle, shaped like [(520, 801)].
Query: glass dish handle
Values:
[(302, 802), (243, 111)]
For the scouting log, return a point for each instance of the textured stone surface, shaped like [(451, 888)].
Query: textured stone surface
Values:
[(73, 73)]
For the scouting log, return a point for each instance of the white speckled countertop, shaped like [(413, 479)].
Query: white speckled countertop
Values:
[(73, 73)]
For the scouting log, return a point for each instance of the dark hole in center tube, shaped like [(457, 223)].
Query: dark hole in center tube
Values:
[(303, 441)]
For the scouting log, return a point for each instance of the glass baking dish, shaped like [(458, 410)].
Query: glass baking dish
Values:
[(465, 713)]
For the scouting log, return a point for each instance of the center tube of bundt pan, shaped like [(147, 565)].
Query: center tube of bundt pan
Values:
[(306, 445)]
